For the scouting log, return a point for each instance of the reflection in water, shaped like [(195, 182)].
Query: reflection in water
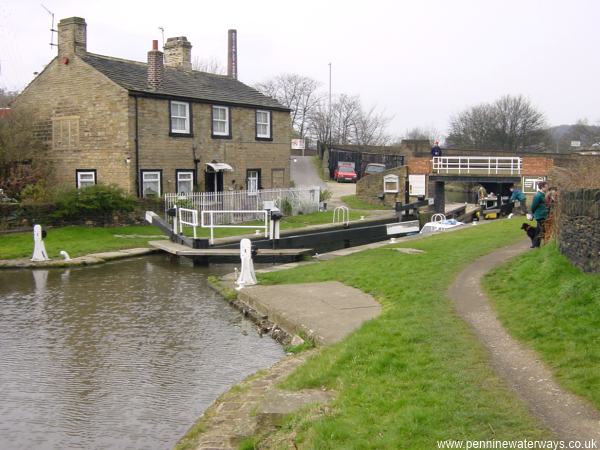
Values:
[(123, 355)]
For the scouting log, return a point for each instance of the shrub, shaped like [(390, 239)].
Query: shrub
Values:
[(94, 202)]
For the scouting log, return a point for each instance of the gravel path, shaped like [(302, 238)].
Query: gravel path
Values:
[(568, 416)]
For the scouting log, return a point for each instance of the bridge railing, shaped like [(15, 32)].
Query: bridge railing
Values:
[(490, 165)]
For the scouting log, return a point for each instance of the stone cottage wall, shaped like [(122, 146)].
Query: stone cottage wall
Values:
[(579, 231)]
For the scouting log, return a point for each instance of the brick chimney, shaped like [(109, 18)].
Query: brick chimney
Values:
[(178, 53), (232, 54), (156, 70), (72, 36)]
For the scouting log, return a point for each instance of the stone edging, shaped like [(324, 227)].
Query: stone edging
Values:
[(87, 260)]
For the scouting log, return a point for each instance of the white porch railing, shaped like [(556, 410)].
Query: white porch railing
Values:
[(490, 165), (302, 199), (212, 221)]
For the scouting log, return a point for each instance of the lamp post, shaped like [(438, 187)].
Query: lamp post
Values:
[(329, 114)]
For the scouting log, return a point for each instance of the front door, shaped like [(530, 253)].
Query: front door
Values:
[(213, 181)]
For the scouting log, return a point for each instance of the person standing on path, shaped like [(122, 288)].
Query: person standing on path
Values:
[(539, 210), (517, 195)]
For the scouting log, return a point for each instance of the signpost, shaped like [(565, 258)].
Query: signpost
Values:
[(298, 144)]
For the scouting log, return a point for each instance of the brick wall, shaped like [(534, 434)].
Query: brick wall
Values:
[(418, 166), (579, 228), (369, 187), (537, 166)]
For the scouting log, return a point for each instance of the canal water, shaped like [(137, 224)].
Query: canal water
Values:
[(124, 355)]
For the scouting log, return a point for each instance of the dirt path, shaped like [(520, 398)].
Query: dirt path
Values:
[(568, 416)]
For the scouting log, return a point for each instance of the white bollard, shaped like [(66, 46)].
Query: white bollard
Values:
[(39, 249), (247, 276)]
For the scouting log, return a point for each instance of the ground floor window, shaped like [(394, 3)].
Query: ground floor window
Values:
[(253, 180), (85, 178), (151, 183), (185, 181), (278, 178)]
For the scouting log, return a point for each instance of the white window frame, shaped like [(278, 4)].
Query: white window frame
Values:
[(267, 135), (85, 183), (158, 180), (186, 117), (189, 173), (215, 120), (253, 182)]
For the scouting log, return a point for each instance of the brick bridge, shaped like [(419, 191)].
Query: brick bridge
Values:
[(494, 172)]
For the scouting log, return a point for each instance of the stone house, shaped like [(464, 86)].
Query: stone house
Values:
[(154, 127)]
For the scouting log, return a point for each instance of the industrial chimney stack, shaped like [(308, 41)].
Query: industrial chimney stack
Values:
[(232, 54)]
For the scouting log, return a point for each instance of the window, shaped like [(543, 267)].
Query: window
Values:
[(253, 180), (180, 118), (65, 132), (220, 121), (263, 124), (151, 183), (185, 181), (85, 178)]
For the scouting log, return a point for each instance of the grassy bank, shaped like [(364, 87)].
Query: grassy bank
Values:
[(354, 202), (416, 374), (78, 240), (553, 307), (81, 240)]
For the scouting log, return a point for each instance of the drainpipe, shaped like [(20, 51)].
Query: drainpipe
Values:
[(196, 162), (137, 150)]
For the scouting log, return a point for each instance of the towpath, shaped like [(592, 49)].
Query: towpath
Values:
[(568, 416)]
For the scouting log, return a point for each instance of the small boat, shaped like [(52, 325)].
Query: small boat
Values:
[(439, 223)]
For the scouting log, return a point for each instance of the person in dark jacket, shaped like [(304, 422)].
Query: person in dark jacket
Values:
[(436, 150), (539, 210), (517, 195)]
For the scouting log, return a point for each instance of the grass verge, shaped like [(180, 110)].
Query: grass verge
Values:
[(355, 203), (552, 306), (78, 240), (416, 374)]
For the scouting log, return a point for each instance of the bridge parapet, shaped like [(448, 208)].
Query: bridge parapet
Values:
[(477, 165)]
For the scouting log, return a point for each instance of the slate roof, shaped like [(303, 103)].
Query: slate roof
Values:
[(195, 85)]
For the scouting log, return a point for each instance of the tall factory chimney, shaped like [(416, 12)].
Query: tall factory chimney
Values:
[(232, 54)]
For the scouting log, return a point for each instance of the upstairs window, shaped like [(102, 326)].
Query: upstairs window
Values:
[(85, 178), (220, 121), (263, 124), (180, 118)]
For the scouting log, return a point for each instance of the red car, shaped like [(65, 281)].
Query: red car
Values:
[(345, 173)]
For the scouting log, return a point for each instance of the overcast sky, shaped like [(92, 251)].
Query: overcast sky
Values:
[(420, 61)]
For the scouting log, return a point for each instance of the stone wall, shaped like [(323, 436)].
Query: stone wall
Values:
[(579, 228), (159, 150), (370, 187), (82, 119)]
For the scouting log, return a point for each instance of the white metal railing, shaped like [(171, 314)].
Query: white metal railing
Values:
[(341, 214), (490, 165), (212, 223), (188, 217), (302, 199)]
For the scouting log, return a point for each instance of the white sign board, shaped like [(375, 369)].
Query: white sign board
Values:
[(390, 184), (297, 144), (530, 184), (575, 143), (416, 185)]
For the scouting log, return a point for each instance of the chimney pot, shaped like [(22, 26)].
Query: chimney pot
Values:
[(156, 70)]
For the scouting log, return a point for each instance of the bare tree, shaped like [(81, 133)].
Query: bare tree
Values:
[(509, 123), (297, 92), (370, 128), (6, 97), (421, 133), (210, 65)]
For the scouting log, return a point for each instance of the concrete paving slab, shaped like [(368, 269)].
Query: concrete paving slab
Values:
[(327, 312)]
